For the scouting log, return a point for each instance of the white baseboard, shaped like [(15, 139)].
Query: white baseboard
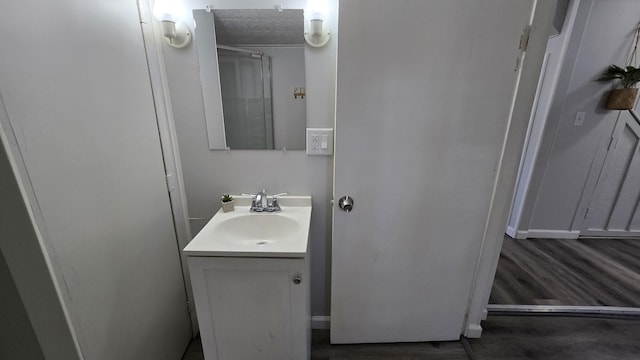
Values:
[(474, 331), (321, 322), (552, 234), (517, 234), (484, 314), (563, 310)]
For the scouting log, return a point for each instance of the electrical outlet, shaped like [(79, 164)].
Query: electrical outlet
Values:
[(579, 120)]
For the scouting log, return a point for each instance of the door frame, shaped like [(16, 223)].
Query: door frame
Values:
[(32, 260), (507, 168), (153, 40), (542, 104)]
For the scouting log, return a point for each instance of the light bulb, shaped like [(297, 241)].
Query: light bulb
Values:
[(168, 10)]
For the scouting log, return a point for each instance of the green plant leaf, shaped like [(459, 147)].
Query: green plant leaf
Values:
[(628, 76)]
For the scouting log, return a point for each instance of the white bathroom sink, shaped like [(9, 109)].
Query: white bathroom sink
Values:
[(246, 234)]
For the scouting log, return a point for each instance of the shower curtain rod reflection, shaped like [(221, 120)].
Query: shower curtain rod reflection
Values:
[(232, 48)]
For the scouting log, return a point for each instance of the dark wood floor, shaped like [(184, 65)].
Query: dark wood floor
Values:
[(557, 338), (584, 272), (321, 349), (533, 272), (503, 338)]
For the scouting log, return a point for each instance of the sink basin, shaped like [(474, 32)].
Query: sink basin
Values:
[(246, 234), (258, 229)]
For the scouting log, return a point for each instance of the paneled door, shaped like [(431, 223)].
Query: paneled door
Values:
[(614, 209), (424, 96)]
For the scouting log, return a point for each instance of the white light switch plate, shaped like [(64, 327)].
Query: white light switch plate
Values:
[(320, 141)]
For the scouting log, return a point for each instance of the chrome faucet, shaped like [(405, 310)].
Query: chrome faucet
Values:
[(260, 202), (261, 199)]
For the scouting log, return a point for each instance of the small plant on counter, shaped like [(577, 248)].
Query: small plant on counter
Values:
[(227, 203)]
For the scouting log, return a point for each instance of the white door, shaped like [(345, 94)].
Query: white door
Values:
[(614, 208), (82, 114), (424, 92)]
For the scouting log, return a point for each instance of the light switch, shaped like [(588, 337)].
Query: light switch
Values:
[(319, 141)]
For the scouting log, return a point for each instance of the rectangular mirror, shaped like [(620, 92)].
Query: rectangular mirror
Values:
[(252, 72)]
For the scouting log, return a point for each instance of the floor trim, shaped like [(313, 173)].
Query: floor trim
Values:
[(321, 322), (552, 234), (562, 310)]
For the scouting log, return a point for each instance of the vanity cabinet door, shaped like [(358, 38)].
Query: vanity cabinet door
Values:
[(251, 308)]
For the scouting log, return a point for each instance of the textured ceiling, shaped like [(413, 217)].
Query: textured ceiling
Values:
[(259, 27)]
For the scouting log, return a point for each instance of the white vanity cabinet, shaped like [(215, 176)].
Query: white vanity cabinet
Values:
[(252, 308), (250, 278)]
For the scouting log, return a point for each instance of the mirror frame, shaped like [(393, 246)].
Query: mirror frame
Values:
[(205, 41)]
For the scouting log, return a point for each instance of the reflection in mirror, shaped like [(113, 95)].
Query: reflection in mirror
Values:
[(257, 79), (245, 83)]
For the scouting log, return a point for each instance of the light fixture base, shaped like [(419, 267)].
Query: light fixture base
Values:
[(319, 40), (182, 38)]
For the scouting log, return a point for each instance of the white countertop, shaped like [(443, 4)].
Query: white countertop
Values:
[(241, 233)]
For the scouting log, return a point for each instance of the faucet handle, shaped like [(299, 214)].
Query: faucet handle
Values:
[(253, 199), (274, 202)]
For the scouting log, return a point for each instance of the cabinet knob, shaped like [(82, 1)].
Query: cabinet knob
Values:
[(297, 279)]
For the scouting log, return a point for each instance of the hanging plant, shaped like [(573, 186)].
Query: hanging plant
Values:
[(624, 98)]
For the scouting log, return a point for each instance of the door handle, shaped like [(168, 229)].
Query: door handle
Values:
[(346, 203)]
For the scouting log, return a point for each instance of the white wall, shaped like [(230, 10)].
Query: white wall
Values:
[(208, 174), (76, 89), (602, 35)]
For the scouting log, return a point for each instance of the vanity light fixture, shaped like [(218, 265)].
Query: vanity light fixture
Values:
[(174, 30), (316, 35)]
